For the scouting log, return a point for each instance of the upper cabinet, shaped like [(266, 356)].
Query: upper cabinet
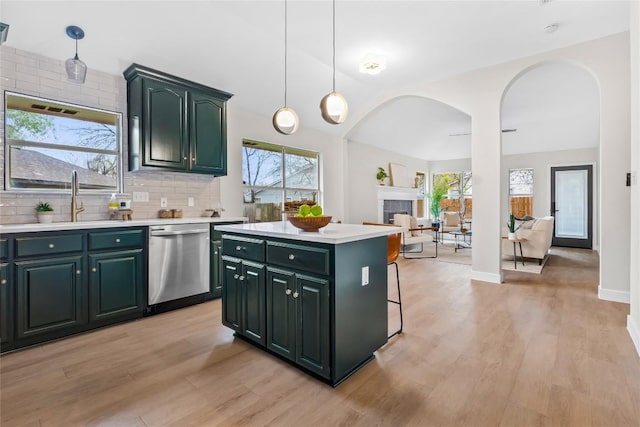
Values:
[(175, 124)]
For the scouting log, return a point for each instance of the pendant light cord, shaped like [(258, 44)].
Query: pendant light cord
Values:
[(334, 45), (285, 53), (76, 57)]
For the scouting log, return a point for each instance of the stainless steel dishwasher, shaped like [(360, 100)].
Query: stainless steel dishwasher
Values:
[(178, 261)]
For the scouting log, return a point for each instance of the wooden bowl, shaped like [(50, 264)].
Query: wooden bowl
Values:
[(309, 223)]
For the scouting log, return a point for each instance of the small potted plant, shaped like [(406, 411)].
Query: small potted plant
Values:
[(511, 225), (44, 212), (381, 175)]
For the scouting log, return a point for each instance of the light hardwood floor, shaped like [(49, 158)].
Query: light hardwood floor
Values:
[(537, 350)]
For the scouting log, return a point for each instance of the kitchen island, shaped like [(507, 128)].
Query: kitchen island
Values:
[(316, 299)]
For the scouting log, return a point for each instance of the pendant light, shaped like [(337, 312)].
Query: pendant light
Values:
[(76, 69), (285, 120), (334, 106)]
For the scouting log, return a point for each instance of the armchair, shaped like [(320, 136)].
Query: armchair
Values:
[(414, 235)]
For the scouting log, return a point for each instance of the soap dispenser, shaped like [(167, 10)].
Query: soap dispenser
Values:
[(113, 206)]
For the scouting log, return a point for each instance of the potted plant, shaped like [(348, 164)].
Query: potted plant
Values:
[(437, 194), (381, 175), (511, 225), (44, 212)]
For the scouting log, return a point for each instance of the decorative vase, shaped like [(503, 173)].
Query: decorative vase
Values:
[(512, 236), (45, 217), (381, 181)]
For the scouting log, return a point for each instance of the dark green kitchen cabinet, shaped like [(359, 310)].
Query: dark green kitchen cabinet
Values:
[(298, 319), (50, 295), (175, 124), (243, 298), (216, 268), (116, 284), (6, 309)]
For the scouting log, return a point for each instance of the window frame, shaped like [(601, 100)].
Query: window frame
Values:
[(283, 151), (10, 142), (512, 195)]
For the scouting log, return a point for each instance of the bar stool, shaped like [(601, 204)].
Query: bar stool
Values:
[(393, 251)]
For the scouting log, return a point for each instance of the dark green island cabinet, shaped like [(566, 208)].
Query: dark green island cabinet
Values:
[(175, 124), (318, 300), (58, 283)]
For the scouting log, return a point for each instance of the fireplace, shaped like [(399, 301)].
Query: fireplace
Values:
[(392, 200), (392, 207)]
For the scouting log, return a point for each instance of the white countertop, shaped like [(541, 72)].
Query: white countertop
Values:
[(332, 233), (55, 226)]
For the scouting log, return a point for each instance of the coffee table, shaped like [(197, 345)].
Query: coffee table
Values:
[(457, 234), (519, 242)]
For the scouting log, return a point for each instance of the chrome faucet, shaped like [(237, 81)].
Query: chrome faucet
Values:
[(75, 186)]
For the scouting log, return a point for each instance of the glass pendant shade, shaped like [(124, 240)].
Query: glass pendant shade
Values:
[(76, 70), (334, 108), (286, 121)]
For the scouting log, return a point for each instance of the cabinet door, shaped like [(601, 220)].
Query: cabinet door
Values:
[(116, 284), (6, 311), (253, 302), (216, 268), (166, 137), (281, 313), (207, 130), (50, 295), (231, 295), (312, 340)]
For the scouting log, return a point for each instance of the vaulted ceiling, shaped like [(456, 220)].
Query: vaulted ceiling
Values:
[(238, 46)]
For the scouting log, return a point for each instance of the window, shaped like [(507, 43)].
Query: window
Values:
[(46, 140), (277, 179), (521, 192), (454, 186)]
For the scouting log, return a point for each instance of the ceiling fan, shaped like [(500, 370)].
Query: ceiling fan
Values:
[(469, 133)]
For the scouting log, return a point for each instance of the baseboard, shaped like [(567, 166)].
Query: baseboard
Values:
[(634, 332), (486, 277), (615, 296)]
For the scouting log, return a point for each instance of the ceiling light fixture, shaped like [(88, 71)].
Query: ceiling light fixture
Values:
[(551, 28), (4, 31), (333, 106), (285, 120), (372, 64), (76, 69)]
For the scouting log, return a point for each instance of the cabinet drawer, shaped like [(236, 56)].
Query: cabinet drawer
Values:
[(116, 239), (242, 247), (30, 246), (304, 258)]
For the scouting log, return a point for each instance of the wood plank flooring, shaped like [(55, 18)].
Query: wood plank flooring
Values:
[(537, 350)]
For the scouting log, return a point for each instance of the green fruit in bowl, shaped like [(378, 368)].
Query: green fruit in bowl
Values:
[(304, 210), (316, 210)]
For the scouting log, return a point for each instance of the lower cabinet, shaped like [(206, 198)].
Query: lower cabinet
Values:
[(298, 319), (50, 295), (116, 284), (216, 268), (243, 298), (6, 309)]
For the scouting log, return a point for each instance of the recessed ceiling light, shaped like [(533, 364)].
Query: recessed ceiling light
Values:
[(551, 28), (372, 64)]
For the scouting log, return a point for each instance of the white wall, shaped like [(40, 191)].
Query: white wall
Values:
[(633, 323), (479, 94), (541, 164), (456, 165), (361, 182), (241, 125)]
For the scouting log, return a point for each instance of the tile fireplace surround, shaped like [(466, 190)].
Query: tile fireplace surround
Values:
[(396, 193)]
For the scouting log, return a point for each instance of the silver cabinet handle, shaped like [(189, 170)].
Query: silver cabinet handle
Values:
[(94, 269), (241, 277), (184, 158), (238, 248), (215, 252), (295, 295), (78, 271), (292, 257), (117, 240), (51, 246), (193, 159), (235, 276), (3, 281), (288, 292)]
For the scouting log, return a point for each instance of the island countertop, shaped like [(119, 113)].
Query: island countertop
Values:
[(332, 233)]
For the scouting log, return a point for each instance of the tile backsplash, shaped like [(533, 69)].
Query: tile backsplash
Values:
[(30, 74)]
